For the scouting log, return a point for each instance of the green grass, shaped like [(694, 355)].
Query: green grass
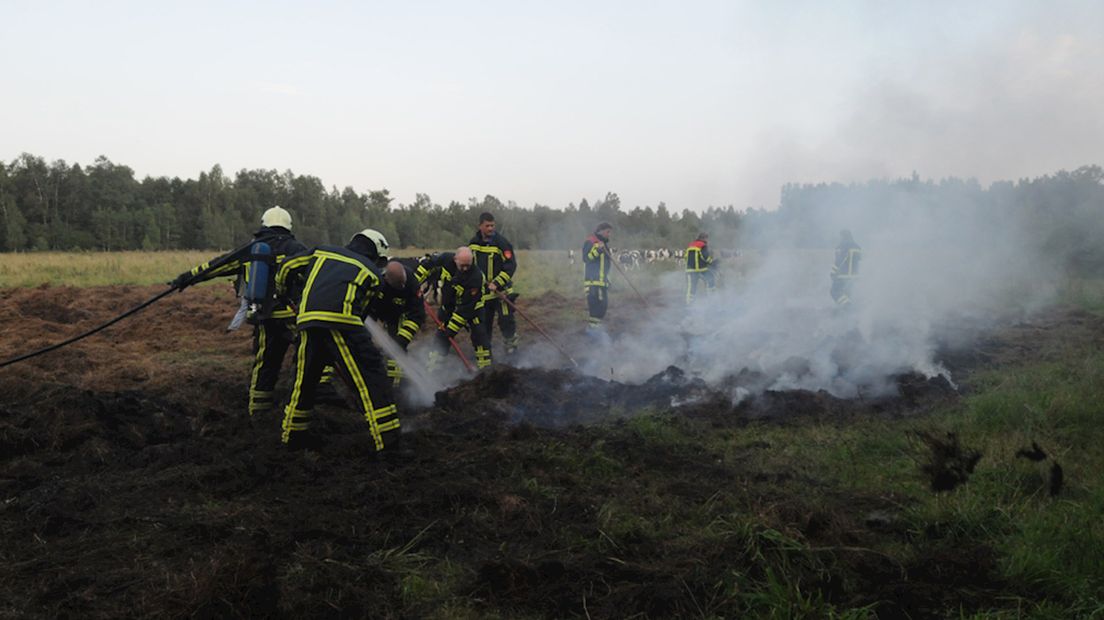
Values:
[(95, 268)]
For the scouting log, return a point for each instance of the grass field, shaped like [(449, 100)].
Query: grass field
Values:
[(1049, 551), (539, 272)]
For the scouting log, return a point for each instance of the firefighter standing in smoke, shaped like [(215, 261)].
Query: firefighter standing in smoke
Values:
[(495, 258), (272, 322), (462, 290), (699, 265), (845, 270), (398, 304), (334, 286), (596, 266)]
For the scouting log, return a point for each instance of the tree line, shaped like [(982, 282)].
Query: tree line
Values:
[(62, 206), (102, 206)]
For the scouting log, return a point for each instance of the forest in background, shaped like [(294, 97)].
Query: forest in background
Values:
[(103, 206)]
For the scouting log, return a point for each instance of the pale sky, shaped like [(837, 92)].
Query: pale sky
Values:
[(693, 103)]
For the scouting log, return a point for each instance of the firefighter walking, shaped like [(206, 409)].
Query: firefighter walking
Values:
[(334, 286), (494, 256), (272, 320), (596, 267), (463, 288), (699, 267), (845, 269)]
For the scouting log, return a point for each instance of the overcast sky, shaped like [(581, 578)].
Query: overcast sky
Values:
[(691, 103)]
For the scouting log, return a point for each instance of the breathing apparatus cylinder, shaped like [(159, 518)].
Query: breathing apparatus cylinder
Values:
[(260, 282)]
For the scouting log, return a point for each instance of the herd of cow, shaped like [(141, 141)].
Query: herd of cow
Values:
[(631, 259)]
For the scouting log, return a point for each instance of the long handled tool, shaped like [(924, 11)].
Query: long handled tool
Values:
[(625, 275), (455, 346), (506, 299)]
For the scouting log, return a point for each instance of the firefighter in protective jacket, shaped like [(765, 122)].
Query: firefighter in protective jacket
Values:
[(334, 286), (397, 303), (845, 269), (699, 264), (271, 328), (495, 258), (462, 289), (596, 258)]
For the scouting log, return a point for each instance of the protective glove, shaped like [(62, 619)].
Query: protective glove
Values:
[(182, 281)]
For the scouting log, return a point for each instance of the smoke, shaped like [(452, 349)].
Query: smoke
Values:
[(420, 386), (933, 256)]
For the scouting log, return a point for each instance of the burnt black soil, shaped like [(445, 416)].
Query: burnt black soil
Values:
[(133, 484)]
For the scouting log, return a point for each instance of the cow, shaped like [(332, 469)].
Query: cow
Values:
[(629, 259)]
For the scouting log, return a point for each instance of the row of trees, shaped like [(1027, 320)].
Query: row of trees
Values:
[(61, 206)]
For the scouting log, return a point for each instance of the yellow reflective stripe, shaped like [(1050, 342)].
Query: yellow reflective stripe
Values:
[(326, 315), (310, 278), (286, 268), (486, 249), (421, 273), (300, 368), (594, 283), (350, 296), (362, 388), (262, 339)]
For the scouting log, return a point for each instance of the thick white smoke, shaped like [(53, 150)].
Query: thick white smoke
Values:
[(924, 266)]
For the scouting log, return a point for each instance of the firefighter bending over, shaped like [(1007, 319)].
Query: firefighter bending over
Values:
[(271, 318), (596, 266), (845, 270), (495, 258), (397, 303), (699, 267), (333, 287), (462, 290)]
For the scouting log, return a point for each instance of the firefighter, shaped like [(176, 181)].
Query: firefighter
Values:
[(495, 258), (845, 270), (272, 333), (699, 267), (462, 291), (398, 305), (596, 266), (333, 287)]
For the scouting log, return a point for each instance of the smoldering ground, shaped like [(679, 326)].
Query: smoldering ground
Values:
[(935, 258)]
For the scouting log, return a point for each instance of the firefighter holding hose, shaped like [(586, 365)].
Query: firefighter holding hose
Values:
[(271, 317), (333, 287)]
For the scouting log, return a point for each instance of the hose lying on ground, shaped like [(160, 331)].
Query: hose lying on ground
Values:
[(88, 333)]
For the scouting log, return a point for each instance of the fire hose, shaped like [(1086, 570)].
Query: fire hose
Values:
[(88, 333)]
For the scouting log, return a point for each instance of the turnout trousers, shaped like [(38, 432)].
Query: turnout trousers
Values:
[(841, 291), (507, 322), (693, 278), (271, 340), (359, 364), (597, 302)]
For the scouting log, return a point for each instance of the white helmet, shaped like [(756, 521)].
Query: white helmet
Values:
[(377, 239), (276, 216)]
